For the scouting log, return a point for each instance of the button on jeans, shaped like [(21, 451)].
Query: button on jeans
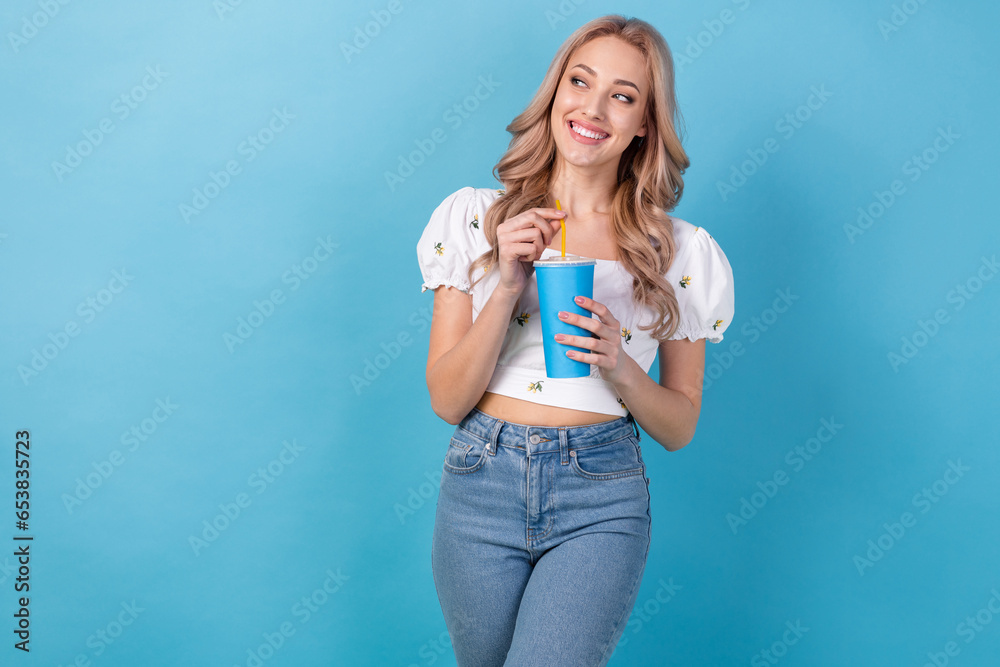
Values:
[(540, 540)]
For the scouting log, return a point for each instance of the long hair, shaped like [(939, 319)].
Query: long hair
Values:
[(649, 172)]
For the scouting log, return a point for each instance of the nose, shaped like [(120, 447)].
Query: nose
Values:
[(594, 107)]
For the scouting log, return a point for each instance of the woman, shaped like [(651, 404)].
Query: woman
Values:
[(543, 526)]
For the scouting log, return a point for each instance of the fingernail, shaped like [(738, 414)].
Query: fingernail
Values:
[(562, 315), (579, 299)]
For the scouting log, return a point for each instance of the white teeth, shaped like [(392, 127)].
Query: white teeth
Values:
[(586, 133)]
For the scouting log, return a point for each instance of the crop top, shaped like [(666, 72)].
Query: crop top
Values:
[(700, 274)]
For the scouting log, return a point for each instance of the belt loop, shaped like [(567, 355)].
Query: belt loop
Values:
[(563, 446), (635, 426), (494, 436)]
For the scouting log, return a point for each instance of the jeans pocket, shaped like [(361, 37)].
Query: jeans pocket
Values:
[(467, 452), (613, 460)]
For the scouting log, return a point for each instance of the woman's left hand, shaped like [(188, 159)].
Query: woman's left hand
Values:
[(606, 349)]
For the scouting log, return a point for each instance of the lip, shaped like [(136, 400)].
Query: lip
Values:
[(587, 126)]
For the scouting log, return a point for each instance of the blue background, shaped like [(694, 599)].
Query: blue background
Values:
[(351, 506)]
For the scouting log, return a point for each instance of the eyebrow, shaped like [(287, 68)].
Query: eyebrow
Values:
[(622, 82)]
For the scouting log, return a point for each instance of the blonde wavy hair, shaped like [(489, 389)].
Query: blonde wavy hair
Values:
[(649, 172)]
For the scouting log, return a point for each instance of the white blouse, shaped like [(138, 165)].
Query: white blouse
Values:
[(700, 274)]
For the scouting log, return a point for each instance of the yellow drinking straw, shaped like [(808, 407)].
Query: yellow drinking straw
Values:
[(562, 224)]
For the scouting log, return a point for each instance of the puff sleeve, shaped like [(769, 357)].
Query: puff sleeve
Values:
[(448, 243), (704, 290)]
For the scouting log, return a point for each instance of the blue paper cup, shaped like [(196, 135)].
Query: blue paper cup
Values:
[(560, 280)]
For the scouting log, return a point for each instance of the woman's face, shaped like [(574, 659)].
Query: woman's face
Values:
[(602, 92)]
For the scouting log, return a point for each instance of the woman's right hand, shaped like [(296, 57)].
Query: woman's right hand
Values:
[(522, 239)]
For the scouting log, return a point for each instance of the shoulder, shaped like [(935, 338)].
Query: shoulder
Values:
[(684, 233), (456, 222), (694, 244), (470, 196), (703, 284), (482, 198), (464, 209)]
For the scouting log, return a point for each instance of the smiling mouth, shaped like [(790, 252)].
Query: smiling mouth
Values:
[(595, 136)]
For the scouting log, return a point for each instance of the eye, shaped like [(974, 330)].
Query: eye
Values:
[(575, 79)]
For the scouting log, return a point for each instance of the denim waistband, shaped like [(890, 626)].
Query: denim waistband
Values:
[(539, 439)]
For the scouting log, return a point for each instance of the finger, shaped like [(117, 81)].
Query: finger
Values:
[(547, 220), (522, 245), (541, 245), (556, 222), (585, 357), (589, 342), (524, 251), (528, 234), (595, 307), (548, 228), (536, 216), (582, 321)]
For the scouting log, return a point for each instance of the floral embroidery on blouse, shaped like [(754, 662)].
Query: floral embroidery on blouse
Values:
[(535, 386), (522, 318), (626, 334), (685, 281), (475, 221), (716, 325), (438, 248), (500, 192), (622, 403)]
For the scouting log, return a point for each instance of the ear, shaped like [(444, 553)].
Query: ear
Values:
[(643, 127)]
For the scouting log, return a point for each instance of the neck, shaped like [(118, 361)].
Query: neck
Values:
[(582, 193)]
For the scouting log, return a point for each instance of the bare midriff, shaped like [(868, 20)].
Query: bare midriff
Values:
[(519, 411)]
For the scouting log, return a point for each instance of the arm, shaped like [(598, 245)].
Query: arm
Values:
[(463, 354), (667, 411)]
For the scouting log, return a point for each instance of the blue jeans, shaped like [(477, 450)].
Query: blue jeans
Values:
[(540, 540)]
